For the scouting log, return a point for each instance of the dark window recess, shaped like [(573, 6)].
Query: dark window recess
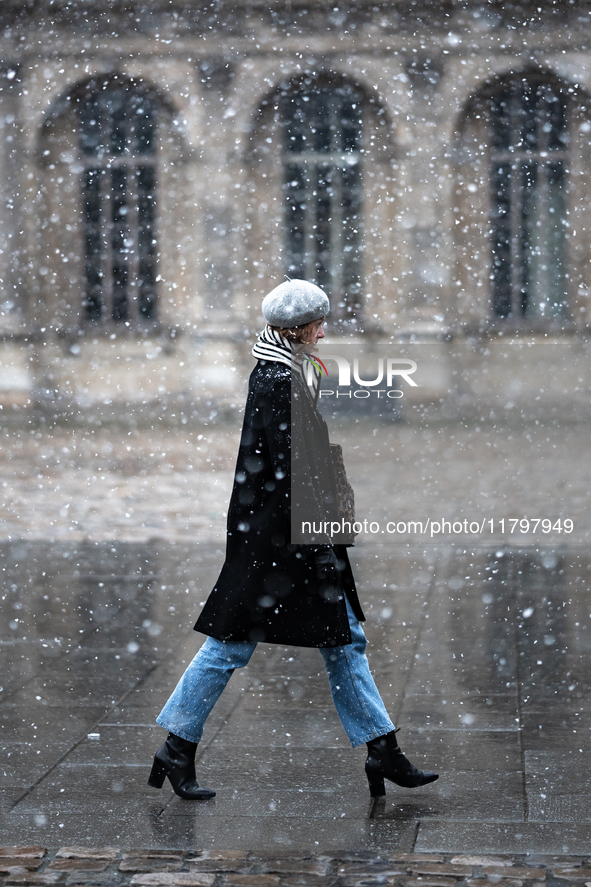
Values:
[(529, 210), (322, 187), (118, 147)]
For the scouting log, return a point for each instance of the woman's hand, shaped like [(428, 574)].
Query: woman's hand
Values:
[(327, 566)]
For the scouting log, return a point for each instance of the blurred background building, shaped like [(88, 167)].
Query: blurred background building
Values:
[(165, 163)]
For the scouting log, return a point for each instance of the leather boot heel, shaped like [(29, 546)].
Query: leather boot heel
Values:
[(157, 775), (176, 759), (377, 789), (386, 761)]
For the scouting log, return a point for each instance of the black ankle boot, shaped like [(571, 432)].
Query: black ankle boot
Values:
[(176, 759), (386, 761)]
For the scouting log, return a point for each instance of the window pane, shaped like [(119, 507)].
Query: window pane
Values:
[(146, 127), (294, 120), (93, 244), (119, 237), (118, 126), (531, 245), (90, 125), (320, 120), (528, 125), (555, 122), (146, 241), (351, 124), (321, 230), (351, 205), (527, 111), (323, 193), (501, 239), (295, 211), (557, 294), (500, 118), (118, 119)]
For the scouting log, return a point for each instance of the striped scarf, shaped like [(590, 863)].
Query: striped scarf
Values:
[(270, 345)]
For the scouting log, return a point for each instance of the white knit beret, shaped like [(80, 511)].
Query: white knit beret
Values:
[(294, 303)]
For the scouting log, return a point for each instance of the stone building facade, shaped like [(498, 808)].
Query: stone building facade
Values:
[(165, 164)]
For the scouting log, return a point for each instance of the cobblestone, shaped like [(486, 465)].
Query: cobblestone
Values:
[(479, 860), (87, 853), (498, 882), (22, 852), (231, 868), (495, 871), (295, 866), (425, 881), (221, 854), (22, 876), (251, 880), (168, 879), (220, 865), (150, 865), (8, 862), (152, 854), (78, 865), (308, 881), (365, 870), (414, 858)]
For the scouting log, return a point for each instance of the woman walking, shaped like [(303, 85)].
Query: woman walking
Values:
[(270, 590)]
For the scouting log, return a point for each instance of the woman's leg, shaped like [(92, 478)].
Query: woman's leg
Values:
[(356, 697), (364, 716), (201, 686)]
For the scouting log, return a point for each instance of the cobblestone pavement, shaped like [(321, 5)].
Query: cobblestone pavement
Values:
[(235, 868)]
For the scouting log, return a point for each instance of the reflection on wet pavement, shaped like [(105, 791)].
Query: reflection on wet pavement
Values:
[(482, 657)]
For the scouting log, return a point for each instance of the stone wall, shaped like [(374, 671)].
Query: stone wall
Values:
[(216, 72)]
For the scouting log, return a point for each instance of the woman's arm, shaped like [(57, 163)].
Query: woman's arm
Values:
[(291, 449)]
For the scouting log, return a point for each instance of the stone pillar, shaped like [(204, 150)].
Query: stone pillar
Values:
[(430, 189), (16, 368), (216, 76), (12, 290)]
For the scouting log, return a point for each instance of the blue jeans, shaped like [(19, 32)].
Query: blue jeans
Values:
[(355, 695)]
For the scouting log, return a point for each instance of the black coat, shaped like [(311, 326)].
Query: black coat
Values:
[(268, 589)]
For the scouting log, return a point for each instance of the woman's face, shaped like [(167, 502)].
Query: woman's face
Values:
[(315, 332)]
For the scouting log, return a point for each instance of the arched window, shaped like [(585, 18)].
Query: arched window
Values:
[(529, 173), (117, 142), (322, 143)]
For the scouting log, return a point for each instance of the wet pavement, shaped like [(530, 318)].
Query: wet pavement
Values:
[(481, 654)]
